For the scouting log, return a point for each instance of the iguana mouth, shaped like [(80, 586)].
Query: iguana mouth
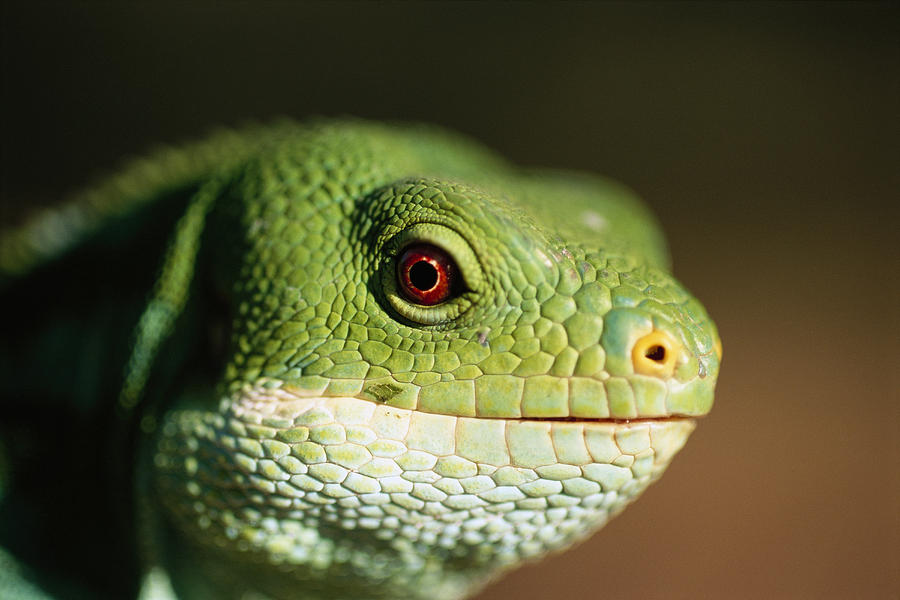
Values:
[(659, 419), (483, 440), (296, 392)]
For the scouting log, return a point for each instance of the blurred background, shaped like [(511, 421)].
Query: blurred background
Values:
[(765, 136)]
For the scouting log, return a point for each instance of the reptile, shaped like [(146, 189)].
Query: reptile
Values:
[(332, 359)]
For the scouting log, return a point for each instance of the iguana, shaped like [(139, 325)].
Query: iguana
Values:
[(333, 359)]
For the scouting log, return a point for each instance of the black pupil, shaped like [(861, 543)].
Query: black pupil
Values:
[(423, 275), (657, 353)]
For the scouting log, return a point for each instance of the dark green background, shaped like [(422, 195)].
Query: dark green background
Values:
[(764, 136)]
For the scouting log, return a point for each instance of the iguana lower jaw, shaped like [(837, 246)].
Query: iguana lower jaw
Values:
[(289, 481)]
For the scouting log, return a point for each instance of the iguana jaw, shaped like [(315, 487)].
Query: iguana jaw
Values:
[(295, 481)]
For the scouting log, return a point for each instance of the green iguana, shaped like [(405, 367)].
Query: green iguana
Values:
[(332, 360)]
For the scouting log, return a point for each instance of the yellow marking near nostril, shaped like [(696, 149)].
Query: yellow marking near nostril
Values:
[(718, 349), (656, 354)]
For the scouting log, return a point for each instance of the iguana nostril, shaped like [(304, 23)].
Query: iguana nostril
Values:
[(656, 354)]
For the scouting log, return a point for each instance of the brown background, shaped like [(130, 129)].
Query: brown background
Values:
[(765, 137)]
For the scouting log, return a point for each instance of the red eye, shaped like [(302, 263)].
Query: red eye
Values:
[(427, 274)]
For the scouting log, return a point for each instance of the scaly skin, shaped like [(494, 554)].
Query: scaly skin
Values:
[(362, 445)]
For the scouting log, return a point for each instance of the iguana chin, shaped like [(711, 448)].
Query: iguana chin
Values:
[(336, 359)]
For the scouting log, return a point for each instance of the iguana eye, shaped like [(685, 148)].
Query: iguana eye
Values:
[(426, 274), (430, 275)]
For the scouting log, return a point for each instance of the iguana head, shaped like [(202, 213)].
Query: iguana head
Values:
[(440, 367)]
